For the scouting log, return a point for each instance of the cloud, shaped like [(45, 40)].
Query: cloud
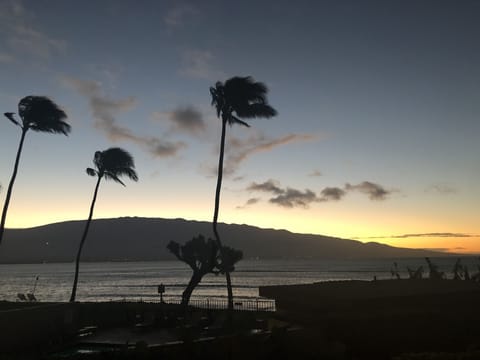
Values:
[(249, 202), (21, 36), (84, 87), (104, 110), (252, 201), (288, 197), (239, 150), (434, 234), (271, 186), (295, 198), (198, 64), (440, 188), (184, 119), (25, 39), (315, 173), (423, 235), (438, 249), (160, 147), (178, 15), (332, 194), (12, 8), (374, 191)]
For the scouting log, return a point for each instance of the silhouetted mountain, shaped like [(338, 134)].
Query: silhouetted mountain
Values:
[(147, 238)]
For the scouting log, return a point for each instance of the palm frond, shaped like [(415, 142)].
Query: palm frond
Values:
[(245, 89), (39, 113), (257, 110), (116, 158), (128, 172), (218, 100), (109, 176), (243, 96), (9, 116), (97, 159), (235, 120), (114, 163), (91, 172)]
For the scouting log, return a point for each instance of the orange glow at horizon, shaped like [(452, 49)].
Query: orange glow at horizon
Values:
[(341, 224)]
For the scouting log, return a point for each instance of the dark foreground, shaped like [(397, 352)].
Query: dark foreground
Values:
[(398, 319)]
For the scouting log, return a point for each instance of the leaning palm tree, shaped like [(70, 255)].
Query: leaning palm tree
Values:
[(37, 113), (238, 98), (110, 164)]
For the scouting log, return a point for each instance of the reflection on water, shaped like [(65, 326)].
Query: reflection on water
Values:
[(135, 280)]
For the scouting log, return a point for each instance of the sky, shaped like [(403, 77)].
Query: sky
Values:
[(376, 137)]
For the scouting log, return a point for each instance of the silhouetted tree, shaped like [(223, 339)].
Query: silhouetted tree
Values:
[(476, 276), (457, 270), (226, 264), (110, 164), (238, 98), (200, 255), (466, 273), (37, 113), (415, 274), (434, 273), (394, 271)]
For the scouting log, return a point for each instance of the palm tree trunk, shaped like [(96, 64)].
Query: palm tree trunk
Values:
[(192, 284), (84, 236), (217, 206), (10, 185)]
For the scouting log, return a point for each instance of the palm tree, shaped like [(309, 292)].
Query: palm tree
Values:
[(238, 98), (37, 113), (110, 164)]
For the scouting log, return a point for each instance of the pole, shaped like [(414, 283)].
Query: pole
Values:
[(35, 285)]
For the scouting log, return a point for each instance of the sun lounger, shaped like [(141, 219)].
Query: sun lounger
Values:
[(21, 297), (31, 297)]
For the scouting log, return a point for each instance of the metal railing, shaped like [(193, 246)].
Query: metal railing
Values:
[(221, 303)]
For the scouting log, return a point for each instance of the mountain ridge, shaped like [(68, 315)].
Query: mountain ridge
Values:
[(145, 239)]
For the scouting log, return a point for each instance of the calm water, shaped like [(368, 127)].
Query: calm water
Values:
[(139, 280)]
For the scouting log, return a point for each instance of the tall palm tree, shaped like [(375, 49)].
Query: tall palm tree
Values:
[(110, 164), (37, 113), (238, 98)]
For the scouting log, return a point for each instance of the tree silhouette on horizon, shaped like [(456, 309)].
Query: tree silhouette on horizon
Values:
[(200, 255), (236, 99), (37, 113), (110, 164)]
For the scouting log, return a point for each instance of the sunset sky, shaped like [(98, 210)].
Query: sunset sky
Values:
[(377, 137)]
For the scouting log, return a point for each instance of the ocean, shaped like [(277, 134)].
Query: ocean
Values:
[(104, 281)]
